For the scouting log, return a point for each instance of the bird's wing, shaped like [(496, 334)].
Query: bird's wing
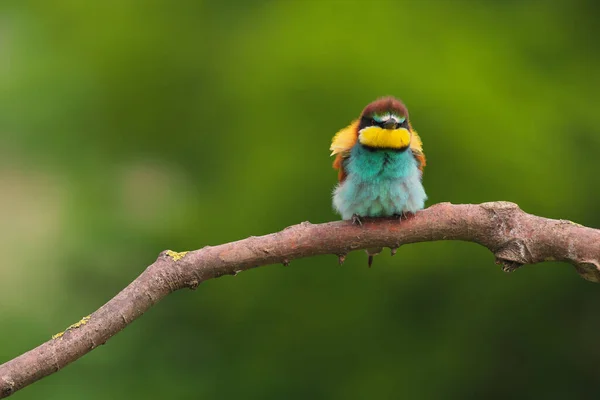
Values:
[(341, 144), (416, 146)]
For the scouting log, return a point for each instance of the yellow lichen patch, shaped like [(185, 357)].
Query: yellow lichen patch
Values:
[(83, 321), (175, 255), (76, 325), (59, 334), (377, 137)]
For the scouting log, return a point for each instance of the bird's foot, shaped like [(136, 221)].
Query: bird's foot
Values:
[(356, 220), (403, 216)]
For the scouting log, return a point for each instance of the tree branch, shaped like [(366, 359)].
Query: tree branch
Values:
[(515, 238)]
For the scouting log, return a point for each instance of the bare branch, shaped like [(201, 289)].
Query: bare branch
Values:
[(515, 238)]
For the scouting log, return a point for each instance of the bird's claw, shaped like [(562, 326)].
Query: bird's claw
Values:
[(403, 215), (356, 220)]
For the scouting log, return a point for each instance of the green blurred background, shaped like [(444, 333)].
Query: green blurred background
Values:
[(130, 127)]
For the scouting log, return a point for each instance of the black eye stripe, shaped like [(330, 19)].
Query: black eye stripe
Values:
[(368, 121)]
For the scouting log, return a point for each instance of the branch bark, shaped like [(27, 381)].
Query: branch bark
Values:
[(515, 237)]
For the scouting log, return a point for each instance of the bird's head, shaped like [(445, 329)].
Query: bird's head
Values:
[(384, 124)]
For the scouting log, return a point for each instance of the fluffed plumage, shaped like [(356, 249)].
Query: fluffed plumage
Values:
[(380, 161)]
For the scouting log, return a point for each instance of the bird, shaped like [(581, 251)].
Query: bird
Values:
[(380, 162)]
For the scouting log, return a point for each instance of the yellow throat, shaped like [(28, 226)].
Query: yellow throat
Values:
[(374, 136)]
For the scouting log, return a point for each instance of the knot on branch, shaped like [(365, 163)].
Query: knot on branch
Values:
[(513, 254), (589, 270), (500, 205), (7, 386), (504, 212)]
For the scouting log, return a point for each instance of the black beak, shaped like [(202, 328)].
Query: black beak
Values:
[(391, 124)]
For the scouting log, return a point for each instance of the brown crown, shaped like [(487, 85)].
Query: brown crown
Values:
[(386, 104)]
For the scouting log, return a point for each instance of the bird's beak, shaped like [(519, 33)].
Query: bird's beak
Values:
[(391, 124)]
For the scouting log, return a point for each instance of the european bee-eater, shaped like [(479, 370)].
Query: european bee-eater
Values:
[(380, 160)]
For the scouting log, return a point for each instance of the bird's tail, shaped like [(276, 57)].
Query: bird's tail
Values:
[(372, 252)]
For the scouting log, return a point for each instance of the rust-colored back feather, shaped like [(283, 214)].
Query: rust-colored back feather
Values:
[(416, 146)]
